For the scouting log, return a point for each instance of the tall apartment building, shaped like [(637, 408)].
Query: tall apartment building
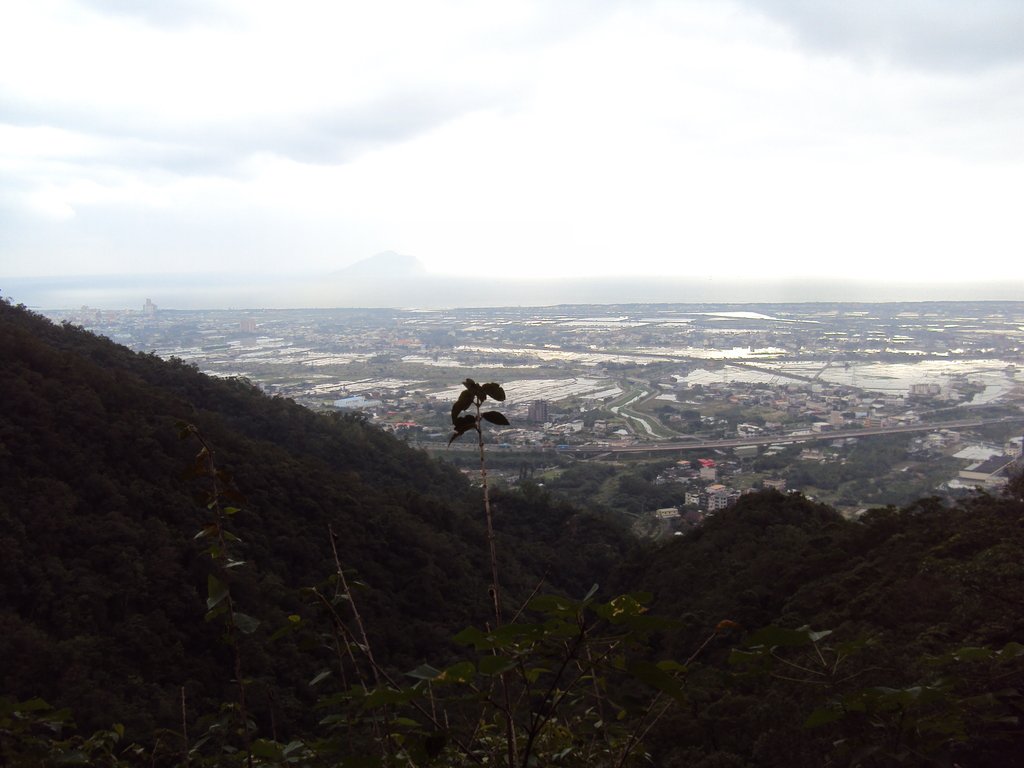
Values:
[(538, 412)]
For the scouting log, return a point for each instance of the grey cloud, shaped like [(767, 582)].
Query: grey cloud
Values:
[(131, 147), (337, 135), (192, 145), (329, 136), (932, 34)]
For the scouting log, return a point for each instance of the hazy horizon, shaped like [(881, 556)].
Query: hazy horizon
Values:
[(205, 291)]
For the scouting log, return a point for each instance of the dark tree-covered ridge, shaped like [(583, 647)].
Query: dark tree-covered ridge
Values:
[(911, 594), (102, 589)]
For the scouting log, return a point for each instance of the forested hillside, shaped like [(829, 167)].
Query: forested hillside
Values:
[(103, 590), (909, 598), (789, 637)]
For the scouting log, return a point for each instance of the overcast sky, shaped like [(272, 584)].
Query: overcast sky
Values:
[(760, 138)]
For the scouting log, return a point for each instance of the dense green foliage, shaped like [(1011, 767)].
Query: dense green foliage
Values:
[(905, 593), (808, 639), (605, 486), (102, 589)]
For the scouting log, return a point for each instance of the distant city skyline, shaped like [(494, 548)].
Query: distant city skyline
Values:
[(688, 146)]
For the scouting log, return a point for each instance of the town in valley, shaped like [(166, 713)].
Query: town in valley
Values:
[(857, 405)]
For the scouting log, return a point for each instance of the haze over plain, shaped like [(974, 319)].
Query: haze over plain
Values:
[(818, 151)]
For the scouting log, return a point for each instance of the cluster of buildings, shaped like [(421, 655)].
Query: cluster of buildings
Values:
[(817, 407), (990, 467), (793, 409), (702, 490)]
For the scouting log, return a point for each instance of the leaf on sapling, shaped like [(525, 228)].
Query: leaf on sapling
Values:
[(210, 529), (386, 696), (553, 604), (738, 657), (32, 705), (474, 389), (212, 614), (814, 636), (465, 422), (494, 391), (462, 425), (510, 635), (287, 629), (1011, 650), (246, 624), (973, 654), (473, 636), (320, 677), (424, 672), (462, 672), (495, 418), (267, 750), (533, 674), (216, 591), (463, 402), (622, 607)]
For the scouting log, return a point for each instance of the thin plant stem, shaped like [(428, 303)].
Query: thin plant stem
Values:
[(222, 557), (184, 724), (352, 602), (510, 729), (492, 548), (641, 731)]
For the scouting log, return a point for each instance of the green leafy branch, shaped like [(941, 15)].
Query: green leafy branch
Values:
[(219, 602), (473, 396)]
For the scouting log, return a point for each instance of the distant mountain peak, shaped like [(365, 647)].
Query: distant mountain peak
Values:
[(385, 264)]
